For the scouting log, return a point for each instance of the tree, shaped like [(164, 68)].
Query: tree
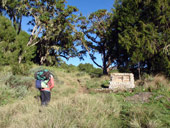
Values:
[(21, 52), (53, 26), (142, 32), (15, 10), (13, 48), (2, 4), (97, 31), (7, 38)]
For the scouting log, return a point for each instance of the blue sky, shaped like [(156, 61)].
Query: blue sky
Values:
[(85, 7), (89, 6)]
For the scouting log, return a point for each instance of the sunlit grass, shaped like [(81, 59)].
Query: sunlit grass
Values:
[(70, 107)]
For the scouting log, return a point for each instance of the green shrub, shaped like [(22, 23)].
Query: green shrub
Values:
[(15, 81), (20, 69), (88, 68), (92, 84), (96, 72), (21, 91), (6, 95), (68, 68), (147, 77), (9, 95), (80, 74), (71, 68), (4, 75), (15, 87), (105, 84)]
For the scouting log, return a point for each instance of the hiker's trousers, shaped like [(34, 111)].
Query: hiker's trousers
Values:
[(45, 97)]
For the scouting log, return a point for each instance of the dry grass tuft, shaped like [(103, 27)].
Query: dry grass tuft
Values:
[(154, 82), (76, 111)]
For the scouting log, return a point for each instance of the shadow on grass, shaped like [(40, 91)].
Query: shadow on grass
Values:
[(104, 86)]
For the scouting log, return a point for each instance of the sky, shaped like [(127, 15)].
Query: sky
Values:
[(85, 7), (89, 6)]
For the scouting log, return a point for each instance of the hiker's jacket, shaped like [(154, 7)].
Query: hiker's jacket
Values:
[(50, 84)]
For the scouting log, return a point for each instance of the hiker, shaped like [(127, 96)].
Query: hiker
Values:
[(44, 82), (45, 93)]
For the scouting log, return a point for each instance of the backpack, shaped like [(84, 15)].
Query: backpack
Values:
[(42, 77), (40, 84)]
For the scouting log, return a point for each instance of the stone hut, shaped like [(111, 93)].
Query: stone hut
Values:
[(122, 81)]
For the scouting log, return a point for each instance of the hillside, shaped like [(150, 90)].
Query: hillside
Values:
[(75, 104)]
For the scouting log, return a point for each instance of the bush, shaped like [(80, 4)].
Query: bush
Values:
[(15, 81), (20, 69), (6, 95), (15, 87), (88, 68), (154, 83), (9, 95), (68, 68)]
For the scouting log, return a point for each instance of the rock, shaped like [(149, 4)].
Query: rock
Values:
[(140, 97)]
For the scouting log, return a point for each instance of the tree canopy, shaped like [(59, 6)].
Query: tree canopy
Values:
[(96, 29), (143, 33), (134, 36), (12, 46)]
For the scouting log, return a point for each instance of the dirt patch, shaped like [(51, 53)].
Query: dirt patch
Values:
[(83, 89), (169, 99), (101, 90), (140, 97), (108, 90)]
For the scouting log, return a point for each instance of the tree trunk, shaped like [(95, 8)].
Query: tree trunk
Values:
[(104, 65), (42, 59), (139, 71), (105, 71), (104, 61), (19, 26), (19, 59), (149, 65)]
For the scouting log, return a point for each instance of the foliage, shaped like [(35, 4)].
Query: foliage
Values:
[(7, 38), (15, 11), (71, 106), (9, 95), (17, 80), (154, 83), (97, 30), (134, 37), (21, 69), (14, 88), (22, 53), (68, 67), (88, 68), (141, 35), (7, 32), (55, 22), (13, 47), (53, 27)]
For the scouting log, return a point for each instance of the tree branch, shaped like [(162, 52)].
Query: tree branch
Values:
[(91, 38), (90, 54)]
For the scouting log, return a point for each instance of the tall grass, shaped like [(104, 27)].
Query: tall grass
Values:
[(156, 82), (71, 108), (77, 111)]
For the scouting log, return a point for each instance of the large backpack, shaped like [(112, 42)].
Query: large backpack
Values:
[(40, 84), (42, 77)]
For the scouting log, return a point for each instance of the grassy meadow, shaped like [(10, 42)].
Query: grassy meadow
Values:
[(76, 104)]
